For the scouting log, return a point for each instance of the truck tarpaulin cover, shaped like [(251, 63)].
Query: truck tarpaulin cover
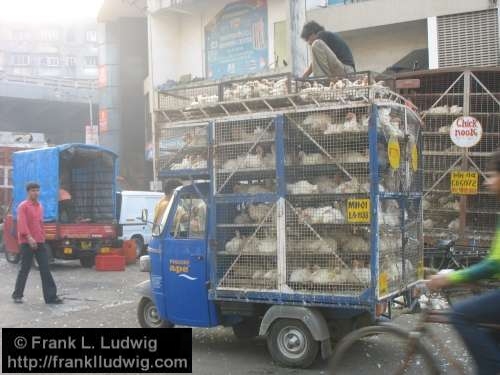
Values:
[(89, 172)]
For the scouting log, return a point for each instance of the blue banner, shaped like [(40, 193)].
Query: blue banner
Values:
[(237, 40)]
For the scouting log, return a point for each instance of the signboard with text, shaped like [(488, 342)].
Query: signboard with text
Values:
[(464, 182), (92, 135), (358, 211), (466, 131), (237, 40)]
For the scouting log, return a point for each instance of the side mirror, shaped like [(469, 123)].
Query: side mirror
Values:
[(144, 215)]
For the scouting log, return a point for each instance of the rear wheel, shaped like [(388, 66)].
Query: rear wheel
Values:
[(291, 344), (384, 350), (87, 261), (148, 315), (13, 258)]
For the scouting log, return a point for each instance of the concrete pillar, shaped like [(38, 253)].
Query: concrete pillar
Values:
[(298, 48)]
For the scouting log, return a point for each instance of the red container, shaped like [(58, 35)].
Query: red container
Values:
[(109, 262), (130, 251)]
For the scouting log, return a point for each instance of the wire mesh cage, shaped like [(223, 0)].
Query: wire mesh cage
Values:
[(182, 148), (247, 246), (444, 96), (245, 156), (191, 95), (258, 87), (327, 244)]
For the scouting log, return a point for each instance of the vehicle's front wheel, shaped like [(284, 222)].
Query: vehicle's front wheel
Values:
[(291, 343), (148, 315), (13, 258)]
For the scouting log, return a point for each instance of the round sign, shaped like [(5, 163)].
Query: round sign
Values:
[(394, 153), (414, 157), (466, 132)]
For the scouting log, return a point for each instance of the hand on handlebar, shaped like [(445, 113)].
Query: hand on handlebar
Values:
[(437, 282)]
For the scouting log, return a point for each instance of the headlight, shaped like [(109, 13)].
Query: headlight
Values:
[(145, 263)]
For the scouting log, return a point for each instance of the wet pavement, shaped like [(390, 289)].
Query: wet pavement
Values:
[(108, 299)]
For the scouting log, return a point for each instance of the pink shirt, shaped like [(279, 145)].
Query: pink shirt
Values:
[(30, 222)]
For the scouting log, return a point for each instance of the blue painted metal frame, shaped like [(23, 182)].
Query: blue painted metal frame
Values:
[(368, 299), (375, 200)]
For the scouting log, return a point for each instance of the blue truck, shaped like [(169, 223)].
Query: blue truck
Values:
[(89, 174), (301, 226)]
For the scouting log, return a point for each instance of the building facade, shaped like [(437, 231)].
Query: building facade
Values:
[(49, 50)]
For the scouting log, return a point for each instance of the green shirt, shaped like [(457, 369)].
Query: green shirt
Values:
[(486, 269)]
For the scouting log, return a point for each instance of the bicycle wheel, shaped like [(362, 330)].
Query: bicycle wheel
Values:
[(385, 349)]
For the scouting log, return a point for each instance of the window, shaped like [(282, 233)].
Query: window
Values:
[(71, 61), (21, 35), (21, 60), (91, 60), (91, 36), (49, 35), (190, 218), (49, 61)]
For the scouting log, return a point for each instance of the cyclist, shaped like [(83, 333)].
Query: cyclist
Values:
[(484, 308)]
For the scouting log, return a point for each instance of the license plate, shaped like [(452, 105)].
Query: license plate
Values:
[(105, 250), (68, 250), (86, 245)]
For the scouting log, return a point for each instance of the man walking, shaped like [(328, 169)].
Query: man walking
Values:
[(31, 238), (331, 56)]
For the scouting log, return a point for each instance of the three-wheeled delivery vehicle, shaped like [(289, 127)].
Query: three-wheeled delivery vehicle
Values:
[(307, 224), (87, 225)]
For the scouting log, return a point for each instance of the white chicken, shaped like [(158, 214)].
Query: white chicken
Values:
[(301, 275), (323, 275), (184, 164), (302, 187), (234, 245), (351, 123), (259, 274), (316, 122), (311, 159), (455, 206), (454, 225), (325, 184), (199, 163), (243, 218), (321, 215), (456, 110), (439, 110), (444, 129), (429, 224), (354, 244), (266, 246), (348, 187), (271, 275), (322, 246), (258, 212)]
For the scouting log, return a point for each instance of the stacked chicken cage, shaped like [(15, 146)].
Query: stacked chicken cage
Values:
[(183, 150), (319, 204), (444, 96)]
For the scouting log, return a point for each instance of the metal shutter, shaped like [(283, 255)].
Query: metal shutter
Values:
[(468, 39)]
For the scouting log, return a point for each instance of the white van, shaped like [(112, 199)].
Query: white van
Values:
[(130, 205)]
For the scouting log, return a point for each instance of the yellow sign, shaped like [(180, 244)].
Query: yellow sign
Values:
[(464, 183), (68, 250), (414, 158), (105, 250), (383, 283), (358, 211), (394, 153)]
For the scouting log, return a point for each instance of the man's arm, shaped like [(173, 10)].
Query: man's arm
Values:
[(22, 226), (308, 71)]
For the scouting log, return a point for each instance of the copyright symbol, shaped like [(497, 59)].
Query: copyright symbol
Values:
[(20, 342)]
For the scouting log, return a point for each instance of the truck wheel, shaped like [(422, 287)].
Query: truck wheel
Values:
[(291, 344), (247, 329), (148, 315), (13, 258), (87, 261)]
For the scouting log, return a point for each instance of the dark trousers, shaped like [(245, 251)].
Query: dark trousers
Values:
[(482, 343), (48, 284)]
